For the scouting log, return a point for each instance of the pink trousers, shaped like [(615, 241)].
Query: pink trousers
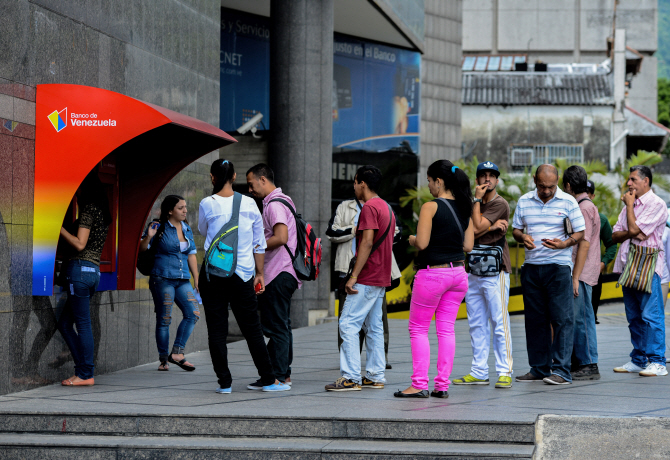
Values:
[(436, 292)]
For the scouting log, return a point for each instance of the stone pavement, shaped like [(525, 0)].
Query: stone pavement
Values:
[(143, 390)]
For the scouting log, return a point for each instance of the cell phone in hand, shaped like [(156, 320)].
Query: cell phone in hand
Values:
[(257, 288), (155, 225)]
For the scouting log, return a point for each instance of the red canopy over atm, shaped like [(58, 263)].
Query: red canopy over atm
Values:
[(76, 128)]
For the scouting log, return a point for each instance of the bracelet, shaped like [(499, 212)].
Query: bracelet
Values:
[(353, 277), (573, 239), (489, 229)]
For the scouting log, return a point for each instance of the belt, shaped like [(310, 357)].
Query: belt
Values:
[(447, 265)]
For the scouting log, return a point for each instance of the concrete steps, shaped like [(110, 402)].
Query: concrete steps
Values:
[(177, 447), (203, 437)]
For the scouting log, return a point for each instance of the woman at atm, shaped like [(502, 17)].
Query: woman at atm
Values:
[(83, 276)]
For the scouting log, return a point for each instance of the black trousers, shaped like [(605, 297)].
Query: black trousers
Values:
[(216, 295), (275, 307), (341, 297), (548, 303), (595, 295)]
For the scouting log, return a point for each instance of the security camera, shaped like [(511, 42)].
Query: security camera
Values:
[(251, 124)]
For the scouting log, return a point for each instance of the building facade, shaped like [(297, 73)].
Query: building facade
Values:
[(170, 54), (567, 31)]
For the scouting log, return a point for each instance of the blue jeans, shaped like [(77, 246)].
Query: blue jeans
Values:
[(363, 310), (585, 347), (547, 299), (165, 292), (646, 322), (83, 278)]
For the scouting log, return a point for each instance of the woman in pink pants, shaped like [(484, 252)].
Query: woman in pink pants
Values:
[(444, 233)]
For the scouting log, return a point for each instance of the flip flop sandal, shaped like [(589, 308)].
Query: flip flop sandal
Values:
[(165, 367), (186, 367), (82, 383)]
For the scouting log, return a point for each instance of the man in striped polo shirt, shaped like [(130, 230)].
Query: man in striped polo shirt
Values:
[(641, 222), (546, 276)]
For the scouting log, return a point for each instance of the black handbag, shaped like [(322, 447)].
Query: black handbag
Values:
[(146, 259)]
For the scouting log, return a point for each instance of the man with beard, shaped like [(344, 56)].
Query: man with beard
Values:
[(488, 293)]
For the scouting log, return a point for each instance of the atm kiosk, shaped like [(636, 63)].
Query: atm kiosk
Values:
[(137, 147)]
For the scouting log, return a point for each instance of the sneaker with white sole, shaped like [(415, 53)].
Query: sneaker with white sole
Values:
[(630, 367), (256, 386), (224, 391), (470, 380), (653, 370), (555, 379), (276, 387)]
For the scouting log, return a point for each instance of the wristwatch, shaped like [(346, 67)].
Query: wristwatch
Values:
[(478, 200)]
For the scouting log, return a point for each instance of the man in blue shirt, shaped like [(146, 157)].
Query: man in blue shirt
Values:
[(546, 276)]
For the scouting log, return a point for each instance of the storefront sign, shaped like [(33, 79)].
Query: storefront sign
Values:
[(376, 95)]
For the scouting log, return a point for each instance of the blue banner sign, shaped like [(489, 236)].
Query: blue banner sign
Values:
[(245, 68), (376, 96)]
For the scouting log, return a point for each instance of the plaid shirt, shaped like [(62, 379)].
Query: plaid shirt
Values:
[(651, 213)]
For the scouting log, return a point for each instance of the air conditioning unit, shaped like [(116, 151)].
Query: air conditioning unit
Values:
[(521, 157)]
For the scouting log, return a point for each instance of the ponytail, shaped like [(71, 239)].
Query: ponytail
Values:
[(456, 181), (223, 173)]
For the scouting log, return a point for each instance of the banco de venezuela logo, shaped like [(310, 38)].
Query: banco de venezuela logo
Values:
[(58, 119)]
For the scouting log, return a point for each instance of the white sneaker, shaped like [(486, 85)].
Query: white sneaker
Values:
[(629, 367), (654, 369)]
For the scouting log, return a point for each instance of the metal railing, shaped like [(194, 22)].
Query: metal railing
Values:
[(530, 155)]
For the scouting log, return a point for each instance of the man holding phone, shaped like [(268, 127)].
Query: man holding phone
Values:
[(281, 280), (546, 214)]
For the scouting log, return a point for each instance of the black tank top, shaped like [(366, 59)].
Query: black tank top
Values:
[(446, 243)]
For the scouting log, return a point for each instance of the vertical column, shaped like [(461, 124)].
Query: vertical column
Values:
[(300, 149), (618, 134)]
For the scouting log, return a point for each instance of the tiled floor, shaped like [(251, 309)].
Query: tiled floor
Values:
[(316, 363)]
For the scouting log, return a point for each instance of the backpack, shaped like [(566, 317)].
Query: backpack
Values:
[(307, 258), (221, 256), (146, 259)]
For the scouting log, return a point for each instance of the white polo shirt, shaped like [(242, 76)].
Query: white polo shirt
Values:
[(545, 221)]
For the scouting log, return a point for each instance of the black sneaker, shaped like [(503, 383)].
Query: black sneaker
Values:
[(586, 372), (388, 366), (529, 377), (257, 385), (555, 379)]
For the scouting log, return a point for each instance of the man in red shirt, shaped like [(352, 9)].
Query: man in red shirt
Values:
[(366, 288)]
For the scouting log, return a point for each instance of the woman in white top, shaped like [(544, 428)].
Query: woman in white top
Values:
[(238, 289)]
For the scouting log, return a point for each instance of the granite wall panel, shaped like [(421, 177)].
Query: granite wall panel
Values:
[(441, 84), (166, 53)]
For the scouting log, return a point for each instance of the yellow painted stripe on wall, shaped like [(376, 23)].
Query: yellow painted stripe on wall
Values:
[(610, 291)]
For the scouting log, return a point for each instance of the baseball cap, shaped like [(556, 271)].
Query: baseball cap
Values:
[(488, 166)]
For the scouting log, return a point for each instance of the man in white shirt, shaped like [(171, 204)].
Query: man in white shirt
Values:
[(546, 276)]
